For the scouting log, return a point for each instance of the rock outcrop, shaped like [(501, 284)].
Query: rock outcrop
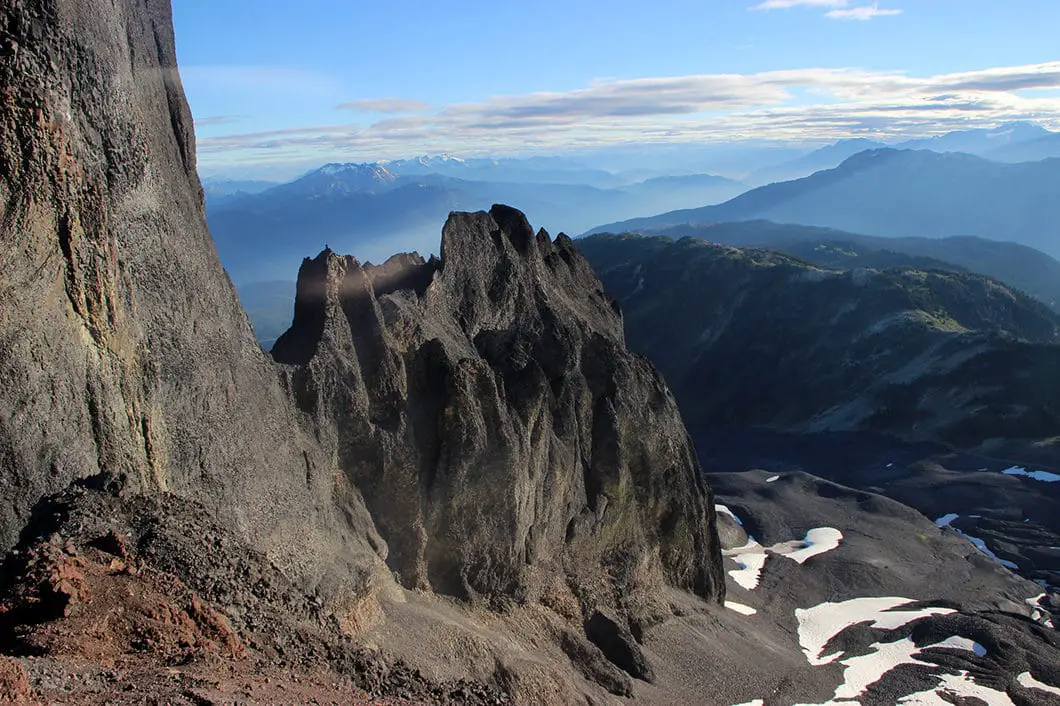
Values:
[(122, 343), (510, 447), (502, 434), (148, 599)]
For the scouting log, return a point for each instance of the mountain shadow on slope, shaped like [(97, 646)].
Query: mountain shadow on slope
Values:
[(925, 355)]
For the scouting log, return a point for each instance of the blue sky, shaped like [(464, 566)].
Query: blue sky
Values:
[(275, 86)]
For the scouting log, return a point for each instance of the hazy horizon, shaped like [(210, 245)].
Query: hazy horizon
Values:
[(275, 92)]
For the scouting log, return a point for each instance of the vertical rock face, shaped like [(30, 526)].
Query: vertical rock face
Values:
[(484, 404), (502, 434), (122, 344)]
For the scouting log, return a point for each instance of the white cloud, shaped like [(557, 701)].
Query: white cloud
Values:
[(837, 9), (785, 4), (799, 105), (862, 13), (384, 105), (212, 120)]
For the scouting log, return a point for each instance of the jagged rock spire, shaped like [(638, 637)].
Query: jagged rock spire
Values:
[(500, 430)]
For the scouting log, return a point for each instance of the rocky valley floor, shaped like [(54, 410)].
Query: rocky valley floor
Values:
[(835, 595)]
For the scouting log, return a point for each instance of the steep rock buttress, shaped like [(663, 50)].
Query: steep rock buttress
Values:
[(123, 347), (501, 432), (484, 404)]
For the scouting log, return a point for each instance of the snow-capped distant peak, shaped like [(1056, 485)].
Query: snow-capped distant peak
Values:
[(439, 160), (358, 168)]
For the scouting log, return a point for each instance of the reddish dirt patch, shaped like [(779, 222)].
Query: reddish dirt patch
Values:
[(14, 684), (110, 609), (141, 599), (93, 628)]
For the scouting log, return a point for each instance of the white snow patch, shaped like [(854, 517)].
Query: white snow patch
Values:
[(960, 685), (1040, 615), (945, 520), (751, 557), (817, 541), (772, 479), (894, 619), (1028, 681), (864, 671), (819, 624), (756, 702), (1043, 476), (962, 643), (724, 509), (740, 608)]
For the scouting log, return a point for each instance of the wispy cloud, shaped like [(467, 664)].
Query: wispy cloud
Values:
[(785, 4), (837, 9), (801, 104), (863, 14), (212, 120), (384, 105)]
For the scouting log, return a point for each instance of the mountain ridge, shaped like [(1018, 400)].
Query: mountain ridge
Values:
[(896, 193), (1018, 266), (372, 211), (939, 323)]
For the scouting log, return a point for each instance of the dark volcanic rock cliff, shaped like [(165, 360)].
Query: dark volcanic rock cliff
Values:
[(122, 344), (501, 432), (484, 404)]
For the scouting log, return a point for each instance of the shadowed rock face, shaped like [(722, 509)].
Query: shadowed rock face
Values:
[(122, 344), (924, 355), (487, 407), (485, 403)]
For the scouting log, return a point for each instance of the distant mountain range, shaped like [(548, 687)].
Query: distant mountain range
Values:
[(982, 141), (219, 188), (374, 210), (1047, 147), (826, 157), (535, 170), (901, 193), (1011, 142)]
